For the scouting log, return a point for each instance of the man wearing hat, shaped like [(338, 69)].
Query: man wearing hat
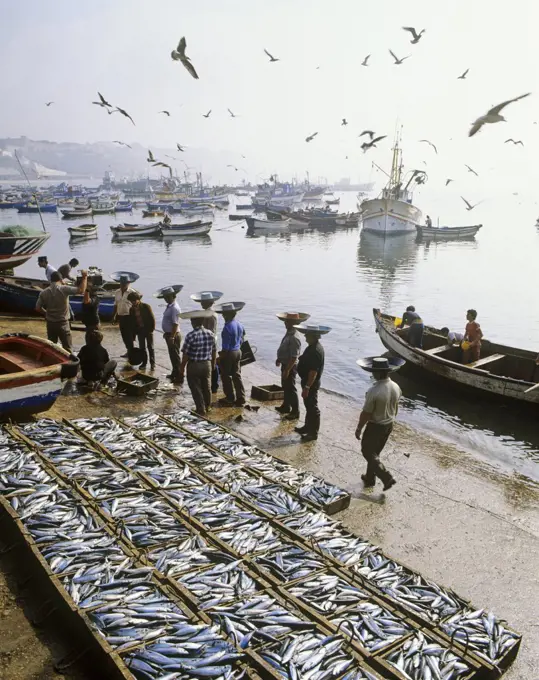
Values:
[(287, 358), (206, 299), (310, 369), (230, 355), (378, 416), (122, 313), (199, 354), (170, 326)]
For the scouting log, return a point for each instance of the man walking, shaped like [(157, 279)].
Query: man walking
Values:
[(54, 303), (43, 262), (122, 313), (230, 355), (206, 299), (199, 354), (378, 416), (287, 358), (170, 326), (310, 370)]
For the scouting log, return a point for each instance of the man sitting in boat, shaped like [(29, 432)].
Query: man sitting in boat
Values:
[(166, 219), (428, 221), (472, 338), (415, 332), (453, 338), (95, 363)]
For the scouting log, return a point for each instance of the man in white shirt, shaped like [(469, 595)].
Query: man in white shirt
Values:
[(378, 416), (122, 313), (43, 262), (453, 338)]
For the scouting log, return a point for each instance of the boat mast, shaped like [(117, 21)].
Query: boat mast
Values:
[(396, 168)]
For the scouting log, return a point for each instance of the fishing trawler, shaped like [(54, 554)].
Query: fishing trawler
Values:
[(393, 211)]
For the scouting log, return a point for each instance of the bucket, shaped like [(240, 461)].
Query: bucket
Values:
[(465, 345), (397, 321)]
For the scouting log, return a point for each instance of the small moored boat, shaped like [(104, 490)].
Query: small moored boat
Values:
[(136, 230), (268, 225), (186, 229), (446, 233), (31, 374), (503, 372), (83, 231), (103, 208), (153, 213), (75, 213), (123, 207), (33, 209)]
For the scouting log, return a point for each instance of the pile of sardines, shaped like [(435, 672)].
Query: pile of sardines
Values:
[(193, 555)]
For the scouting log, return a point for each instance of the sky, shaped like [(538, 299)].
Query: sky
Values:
[(66, 51)]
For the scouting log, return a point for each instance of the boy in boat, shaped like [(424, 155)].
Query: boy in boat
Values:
[(415, 332), (428, 221), (95, 363), (453, 338), (472, 336)]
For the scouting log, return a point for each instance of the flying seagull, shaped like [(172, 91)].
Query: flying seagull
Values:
[(48, 103), (493, 115), (365, 61), (232, 114), (515, 142), (207, 115), (447, 181), (124, 113), (171, 157), (344, 121), (398, 61), (369, 145), (117, 141), (179, 55), (463, 75), (165, 112), (151, 157), (311, 137), (163, 165), (416, 37), (469, 206), (367, 132), (272, 58), (431, 144), (102, 102), (471, 170), (180, 147)]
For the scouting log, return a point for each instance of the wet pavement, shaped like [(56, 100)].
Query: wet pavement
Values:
[(453, 517)]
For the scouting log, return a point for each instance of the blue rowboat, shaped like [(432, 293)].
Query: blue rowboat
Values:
[(32, 209), (124, 207), (19, 295)]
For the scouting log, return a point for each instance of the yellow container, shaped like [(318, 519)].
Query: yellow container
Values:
[(465, 345), (397, 322)]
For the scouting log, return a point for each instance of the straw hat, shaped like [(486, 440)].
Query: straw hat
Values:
[(207, 295), (229, 307), (371, 364), (168, 290), (300, 317), (124, 277), (196, 314), (312, 328)]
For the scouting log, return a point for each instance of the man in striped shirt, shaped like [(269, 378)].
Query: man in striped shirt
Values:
[(199, 355)]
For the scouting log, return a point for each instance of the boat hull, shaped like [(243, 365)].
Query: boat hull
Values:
[(447, 233), (75, 214), (16, 250), (32, 210), (479, 380), (185, 229), (80, 232), (388, 216), (268, 225), (144, 231)]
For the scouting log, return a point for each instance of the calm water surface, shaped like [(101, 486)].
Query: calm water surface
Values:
[(338, 276)]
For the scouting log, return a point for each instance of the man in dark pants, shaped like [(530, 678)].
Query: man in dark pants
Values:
[(54, 303), (122, 313), (287, 358), (415, 333), (378, 416), (206, 299), (230, 355), (143, 327), (170, 326), (199, 354), (310, 369)]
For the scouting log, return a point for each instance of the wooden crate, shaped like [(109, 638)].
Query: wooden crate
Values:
[(267, 392)]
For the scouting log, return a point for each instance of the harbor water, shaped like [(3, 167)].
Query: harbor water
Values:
[(338, 275)]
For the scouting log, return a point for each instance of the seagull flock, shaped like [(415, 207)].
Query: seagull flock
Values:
[(178, 54)]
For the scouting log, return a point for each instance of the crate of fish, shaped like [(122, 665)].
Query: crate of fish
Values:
[(326, 593), (223, 513), (190, 651), (290, 563), (258, 620), (144, 422), (174, 441), (137, 384), (251, 538), (101, 479), (420, 657), (379, 570), (231, 475), (479, 632), (313, 526), (46, 432), (315, 655), (97, 553), (192, 554), (183, 416), (169, 475), (323, 494), (271, 499), (145, 520), (100, 429), (372, 626), (224, 582), (346, 549), (195, 500), (198, 455), (272, 468)]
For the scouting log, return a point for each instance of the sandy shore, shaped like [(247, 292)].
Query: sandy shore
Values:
[(452, 517)]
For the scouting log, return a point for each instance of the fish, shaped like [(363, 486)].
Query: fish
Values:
[(420, 659), (373, 626), (290, 562), (327, 593)]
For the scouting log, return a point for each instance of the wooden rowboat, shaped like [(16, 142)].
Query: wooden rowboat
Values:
[(186, 229), (76, 212), (502, 372), (136, 230), (268, 225), (83, 231), (446, 233)]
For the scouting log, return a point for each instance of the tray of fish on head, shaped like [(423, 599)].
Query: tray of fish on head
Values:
[(191, 651), (481, 633), (145, 520), (315, 655), (289, 563), (421, 657)]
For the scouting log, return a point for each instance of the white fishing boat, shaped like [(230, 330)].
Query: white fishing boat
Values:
[(76, 212), (136, 230), (202, 209), (268, 225), (83, 231), (393, 211), (447, 233), (196, 228)]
